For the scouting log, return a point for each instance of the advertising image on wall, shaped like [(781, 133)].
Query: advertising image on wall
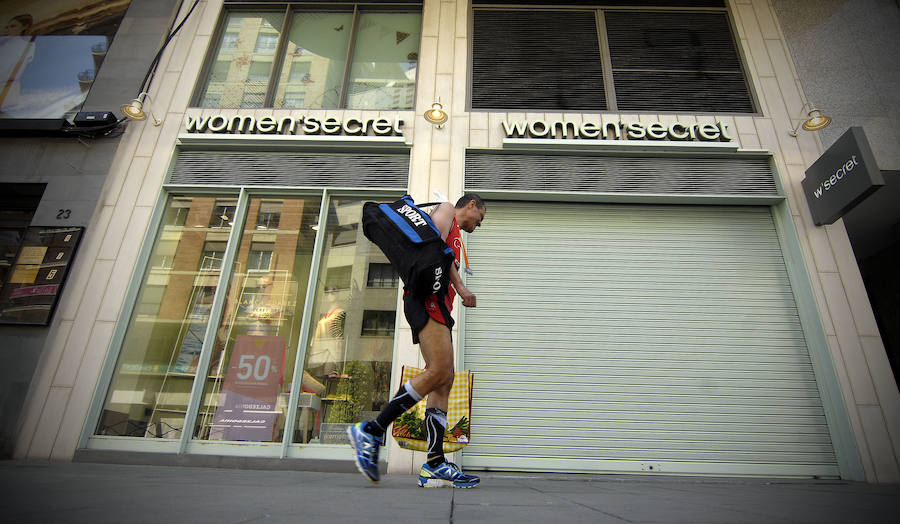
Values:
[(36, 279), (51, 52)]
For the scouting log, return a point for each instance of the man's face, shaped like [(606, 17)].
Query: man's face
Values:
[(471, 217)]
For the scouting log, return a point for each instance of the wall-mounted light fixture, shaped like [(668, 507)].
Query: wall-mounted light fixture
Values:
[(814, 121), (135, 109), (436, 115)]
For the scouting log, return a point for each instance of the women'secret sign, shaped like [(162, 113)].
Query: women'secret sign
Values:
[(289, 125), (675, 131), (841, 178)]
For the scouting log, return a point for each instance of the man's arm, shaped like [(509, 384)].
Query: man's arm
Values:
[(467, 297), (442, 216)]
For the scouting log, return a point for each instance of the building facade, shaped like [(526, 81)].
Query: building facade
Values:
[(60, 60), (653, 293)]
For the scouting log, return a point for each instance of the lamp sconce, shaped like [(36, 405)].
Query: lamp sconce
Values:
[(436, 115), (135, 109), (814, 121)]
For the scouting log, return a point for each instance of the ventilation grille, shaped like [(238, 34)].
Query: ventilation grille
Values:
[(634, 175), (609, 3), (675, 61), (291, 170), (536, 60)]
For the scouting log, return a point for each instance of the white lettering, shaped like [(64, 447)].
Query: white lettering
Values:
[(678, 135), (723, 129), (636, 130), (240, 121), (412, 215), (563, 128), (266, 124), (291, 124), (311, 126), (515, 129), (533, 128), (381, 126), (838, 175), (589, 130), (199, 124), (331, 126), (708, 132), (657, 131), (218, 123), (353, 126)]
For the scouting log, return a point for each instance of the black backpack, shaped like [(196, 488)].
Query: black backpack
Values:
[(412, 243)]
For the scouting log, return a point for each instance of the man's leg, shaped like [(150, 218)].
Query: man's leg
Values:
[(437, 350)]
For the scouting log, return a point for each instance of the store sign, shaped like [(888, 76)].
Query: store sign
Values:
[(288, 125), (677, 131), (842, 177)]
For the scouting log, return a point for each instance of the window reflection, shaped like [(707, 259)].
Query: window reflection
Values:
[(240, 73), (251, 374), (158, 361), (51, 54), (314, 62), (247, 386), (348, 362), (383, 75)]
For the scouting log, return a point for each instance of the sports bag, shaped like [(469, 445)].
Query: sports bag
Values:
[(413, 244)]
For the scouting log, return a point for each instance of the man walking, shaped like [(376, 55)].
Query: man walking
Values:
[(431, 323)]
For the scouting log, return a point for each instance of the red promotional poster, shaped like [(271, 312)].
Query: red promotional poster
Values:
[(248, 408)]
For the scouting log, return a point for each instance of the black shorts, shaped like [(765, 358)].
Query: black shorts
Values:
[(418, 311)]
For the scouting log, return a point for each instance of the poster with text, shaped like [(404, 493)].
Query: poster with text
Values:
[(248, 407)]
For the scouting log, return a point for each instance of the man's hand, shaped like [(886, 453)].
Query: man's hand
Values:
[(467, 297)]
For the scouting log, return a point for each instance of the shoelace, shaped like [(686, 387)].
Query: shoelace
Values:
[(369, 449)]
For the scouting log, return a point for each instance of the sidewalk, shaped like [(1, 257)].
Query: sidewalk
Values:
[(51, 492)]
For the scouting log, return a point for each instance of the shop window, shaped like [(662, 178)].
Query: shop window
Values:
[(660, 60), (378, 323), (349, 373), (311, 58), (258, 327), (383, 276), (244, 388), (51, 54)]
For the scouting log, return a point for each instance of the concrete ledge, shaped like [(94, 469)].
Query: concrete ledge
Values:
[(216, 461)]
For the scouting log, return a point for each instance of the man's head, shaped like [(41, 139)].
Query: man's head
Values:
[(469, 212)]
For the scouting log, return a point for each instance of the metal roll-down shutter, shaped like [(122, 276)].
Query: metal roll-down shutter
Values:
[(638, 338)]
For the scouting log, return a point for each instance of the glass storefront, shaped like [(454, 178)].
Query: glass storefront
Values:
[(220, 353)]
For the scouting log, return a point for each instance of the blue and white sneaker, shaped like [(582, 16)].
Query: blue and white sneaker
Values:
[(446, 475), (365, 446)]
